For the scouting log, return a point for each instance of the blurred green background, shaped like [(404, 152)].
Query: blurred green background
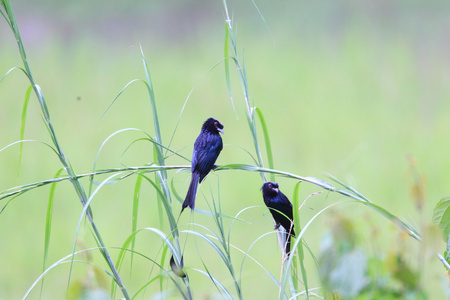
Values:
[(357, 89)]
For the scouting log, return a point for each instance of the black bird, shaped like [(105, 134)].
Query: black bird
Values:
[(207, 148), (281, 209)]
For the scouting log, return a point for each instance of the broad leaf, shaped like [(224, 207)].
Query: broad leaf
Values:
[(441, 216)]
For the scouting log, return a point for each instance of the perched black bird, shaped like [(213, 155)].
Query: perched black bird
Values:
[(207, 148), (281, 209)]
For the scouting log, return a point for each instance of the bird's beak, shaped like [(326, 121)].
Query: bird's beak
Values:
[(276, 190), (220, 130)]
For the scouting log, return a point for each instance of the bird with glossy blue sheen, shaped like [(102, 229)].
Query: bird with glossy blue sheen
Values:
[(207, 148), (281, 209)]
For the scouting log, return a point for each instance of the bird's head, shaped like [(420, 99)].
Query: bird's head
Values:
[(270, 188), (212, 125)]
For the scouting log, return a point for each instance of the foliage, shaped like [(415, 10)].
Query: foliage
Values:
[(345, 268)]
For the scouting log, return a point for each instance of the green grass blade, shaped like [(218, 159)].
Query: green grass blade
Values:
[(222, 289), (248, 167), (22, 127), (118, 95), (254, 260), (180, 200), (244, 84), (20, 189), (98, 239), (216, 248), (161, 262), (187, 99), (159, 195), (288, 263), (161, 176), (4, 15), (154, 111), (91, 179), (267, 141), (264, 20), (48, 218), (224, 254), (167, 207), (226, 55), (251, 124), (10, 71), (134, 217), (161, 277), (165, 238), (353, 193), (58, 263), (301, 255)]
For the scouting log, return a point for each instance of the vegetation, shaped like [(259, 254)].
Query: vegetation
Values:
[(317, 108)]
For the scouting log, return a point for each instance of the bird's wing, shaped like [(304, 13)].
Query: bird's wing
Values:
[(284, 212), (206, 151)]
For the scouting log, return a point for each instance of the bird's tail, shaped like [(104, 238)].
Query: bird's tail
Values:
[(192, 191), (289, 234)]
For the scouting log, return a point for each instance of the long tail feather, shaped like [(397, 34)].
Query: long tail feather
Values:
[(192, 191), (289, 233), (288, 244)]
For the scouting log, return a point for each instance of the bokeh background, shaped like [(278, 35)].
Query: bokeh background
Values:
[(357, 89)]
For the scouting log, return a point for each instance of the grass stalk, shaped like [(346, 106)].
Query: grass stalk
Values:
[(10, 19), (240, 67), (347, 191)]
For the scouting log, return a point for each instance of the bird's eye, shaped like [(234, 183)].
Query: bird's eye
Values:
[(216, 123), (270, 185)]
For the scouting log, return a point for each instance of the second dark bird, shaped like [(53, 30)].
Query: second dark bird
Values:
[(207, 148), (281, 210)]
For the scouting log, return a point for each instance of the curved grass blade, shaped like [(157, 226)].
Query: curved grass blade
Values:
[(91, 179), (118, 95), (130, 240), (10, 70), (167, 207), (361, 198), (254, 260), (145, 169), (216, 282), (68, 259), (24, 141), (226, 256), (248, 167), (84, 213), (48, 222), (151, 140), (4, 16), (60, 262), (172, 222), (264, 20), (229, 245), (288, 263), (187, 99), (160, 277)]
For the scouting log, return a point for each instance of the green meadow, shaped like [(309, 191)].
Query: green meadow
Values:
[(355, 91)]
